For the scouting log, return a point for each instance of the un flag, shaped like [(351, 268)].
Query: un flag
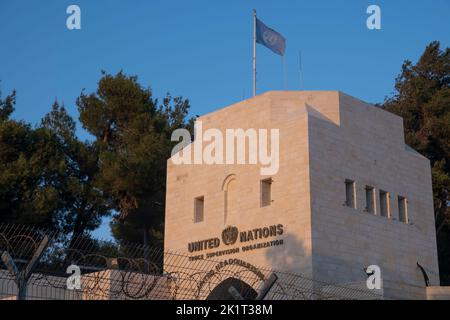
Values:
[(270, 38)]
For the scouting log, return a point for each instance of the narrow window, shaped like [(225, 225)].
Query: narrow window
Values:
[(199, 207), (350, 194), (370, 203), (384, 204), (266, 186), (402, 209)]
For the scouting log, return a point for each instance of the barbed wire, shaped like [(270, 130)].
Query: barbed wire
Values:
[(118, 271)]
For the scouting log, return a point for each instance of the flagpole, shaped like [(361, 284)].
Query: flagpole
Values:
[(300, 69), (254, 52)]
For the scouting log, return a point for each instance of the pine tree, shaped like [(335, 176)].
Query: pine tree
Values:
[(133, 138), (84, 204), (422, 98)]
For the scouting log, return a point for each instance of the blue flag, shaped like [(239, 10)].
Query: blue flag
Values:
[(270, 38)]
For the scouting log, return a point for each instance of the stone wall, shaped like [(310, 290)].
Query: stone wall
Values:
[(326, 137)]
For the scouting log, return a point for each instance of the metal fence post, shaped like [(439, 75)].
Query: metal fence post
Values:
[(21, 277)]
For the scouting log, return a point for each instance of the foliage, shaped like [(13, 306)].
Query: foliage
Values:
[(133, 138), (422, 98)]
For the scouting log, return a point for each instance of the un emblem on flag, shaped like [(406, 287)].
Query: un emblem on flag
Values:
[(230, 235), (270, 38)]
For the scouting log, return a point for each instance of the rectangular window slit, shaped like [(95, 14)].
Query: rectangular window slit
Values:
[(266, 197), (199, 207), (384, 204), (402, 209), (370, 203), (350, 194)]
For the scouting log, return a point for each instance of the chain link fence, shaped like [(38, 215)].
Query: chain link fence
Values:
[(40, 265)]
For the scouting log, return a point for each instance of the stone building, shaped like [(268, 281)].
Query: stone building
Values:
[(348, 193)]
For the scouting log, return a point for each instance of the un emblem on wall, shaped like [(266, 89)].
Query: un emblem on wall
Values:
[(230, 235)]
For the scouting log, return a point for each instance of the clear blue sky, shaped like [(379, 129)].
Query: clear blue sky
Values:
[(202, 49)]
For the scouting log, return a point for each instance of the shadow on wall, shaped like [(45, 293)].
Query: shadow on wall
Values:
[(290, 257), (345, 271)]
